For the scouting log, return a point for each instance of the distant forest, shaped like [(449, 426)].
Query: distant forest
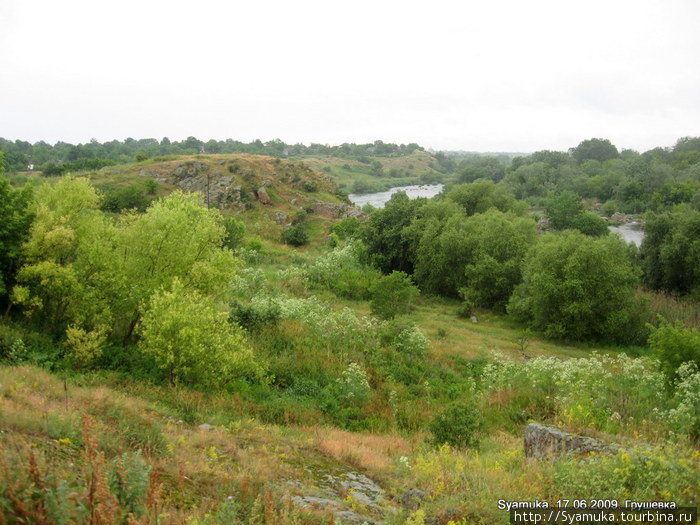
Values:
[(94, 155)]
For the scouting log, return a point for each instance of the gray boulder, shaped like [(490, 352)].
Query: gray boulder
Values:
[(542, 441)]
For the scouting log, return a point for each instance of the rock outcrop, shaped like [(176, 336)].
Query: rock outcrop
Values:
[(331, 210), (263, 196), (542, 441)]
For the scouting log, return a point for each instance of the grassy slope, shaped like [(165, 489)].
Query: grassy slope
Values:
[(347, 171)]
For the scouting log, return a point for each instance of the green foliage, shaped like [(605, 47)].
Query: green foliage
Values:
[(120, 198), (382, 234), (457, 425), (296, 235), (674, 344), (591, 224), (482, 195), (594, 149), (346, 228), (262, 311), (393, 295), (129, 481), (563, 209), (577, 287), (499, 243), (670, 252), (478, 256), (190, 339), (235, 231), (15, 219)]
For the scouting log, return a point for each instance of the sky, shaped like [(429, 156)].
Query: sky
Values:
[(487, 75)]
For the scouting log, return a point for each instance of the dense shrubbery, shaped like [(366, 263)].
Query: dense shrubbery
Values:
[(576, 288), (457, 425), (670, 252)]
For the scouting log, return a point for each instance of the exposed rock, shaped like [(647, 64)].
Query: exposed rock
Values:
[(330, 210), (263, 196), (293, 202), (474, 319), (621, 218), (205, 426), (543, 225), (281, 218), (412, 498), (267, 183), (542, 441), (190, 169)]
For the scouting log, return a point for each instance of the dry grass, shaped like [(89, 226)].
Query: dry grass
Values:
[(673, 308), (375, 453)]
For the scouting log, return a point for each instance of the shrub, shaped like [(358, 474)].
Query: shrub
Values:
[(674, 344), (346, 228), (393, 295), (577, 287), (457, 425), (311, 186), (353, 385), (262, 311), (235, 231), (191, 341), (84, 347), (296, 235)]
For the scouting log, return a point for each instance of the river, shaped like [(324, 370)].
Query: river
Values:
[(379, 199), (631, 232)]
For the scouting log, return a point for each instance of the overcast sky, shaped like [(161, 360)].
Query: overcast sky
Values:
[(487, 75)]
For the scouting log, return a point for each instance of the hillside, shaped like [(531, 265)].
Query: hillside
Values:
[(378, 173), (265, 192)]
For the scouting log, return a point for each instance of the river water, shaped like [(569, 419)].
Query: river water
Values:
[(379, 199), (631, 232)]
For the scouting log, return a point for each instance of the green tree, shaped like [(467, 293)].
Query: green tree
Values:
[(675, 344), (382, 234), (482, 195), (392, 295), (577, 287), (15, 220), (563, 210), (670, 252), (594, 149), (499, 243), (191, 340)]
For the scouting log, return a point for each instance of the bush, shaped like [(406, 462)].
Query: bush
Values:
[(235, 231), (393, 295), (457, 426), (577, 287), (674, 344), (296, 235)]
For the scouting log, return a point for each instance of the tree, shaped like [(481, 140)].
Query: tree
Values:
[(191, 340), (580, 288), (392, 295), (481, 195), (15, 219), (563, 209), (670, 252), (499, 242), (382, 234), (479, 255), (594, 149)]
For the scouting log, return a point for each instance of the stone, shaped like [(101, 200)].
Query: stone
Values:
[(263, 197), (205, 426), (281, 218), (412, 498), (293, 202), (267, 183), (474, 319), (542, 441)]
